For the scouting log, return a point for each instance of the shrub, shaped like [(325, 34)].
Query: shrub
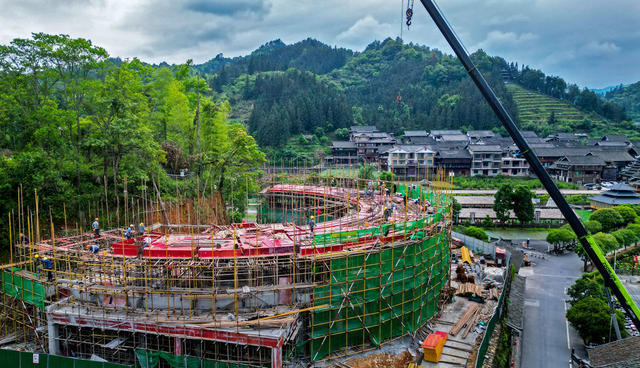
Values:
[(476, 232), (590, 317), (627, 213), (610, 219), (606, 242), (593, 226)]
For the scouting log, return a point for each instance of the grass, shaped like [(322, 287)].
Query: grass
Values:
[(534, 107), (584, 214)]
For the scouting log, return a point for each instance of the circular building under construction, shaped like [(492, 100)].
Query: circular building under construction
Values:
[(332, 267)]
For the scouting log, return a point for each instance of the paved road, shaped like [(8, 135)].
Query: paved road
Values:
[(547, 336), (536, 191), (633, 287)]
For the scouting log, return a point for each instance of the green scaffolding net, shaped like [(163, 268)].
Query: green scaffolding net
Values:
[(338, 237), (23, 359), (378, 295), (151, 359), (15, 282)]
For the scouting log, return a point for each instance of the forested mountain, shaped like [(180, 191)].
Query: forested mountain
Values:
[(627, 97), (392, 85), (77, 126)]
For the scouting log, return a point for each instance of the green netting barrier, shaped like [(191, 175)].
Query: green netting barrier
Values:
[(377, 296), (23, 288), (151, 359), (22, 359), (401, 227)]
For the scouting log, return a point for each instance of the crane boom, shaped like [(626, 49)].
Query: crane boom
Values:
[(586, 240)]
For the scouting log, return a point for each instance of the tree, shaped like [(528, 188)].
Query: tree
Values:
[(522, 204), (342, 134), (503, 202), (610, 219), (558, 237), (551, 120), (582, 253), (591, 318), (593, 226), (635, 228), (366, 171), (626, 212), (606, 242), (625, 237), (456, 207), (476, 232), (590, 284), (487, 221)]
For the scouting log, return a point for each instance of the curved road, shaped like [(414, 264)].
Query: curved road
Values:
[(547, 337)]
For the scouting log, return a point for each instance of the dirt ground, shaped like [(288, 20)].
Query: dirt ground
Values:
[(382, 361)]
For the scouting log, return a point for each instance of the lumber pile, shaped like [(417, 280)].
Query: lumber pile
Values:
[(468, 319), (493, 294), (469, 289)]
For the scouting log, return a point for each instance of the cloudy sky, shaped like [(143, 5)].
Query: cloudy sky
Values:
[(590, 42)]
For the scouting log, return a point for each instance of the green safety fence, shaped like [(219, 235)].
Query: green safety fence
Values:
[(378, 295), (22, 359), (405, 226), (491, 325), (23, 288), (151, 359)]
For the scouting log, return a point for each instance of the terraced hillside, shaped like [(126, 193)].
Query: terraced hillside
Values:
[(535, 108)]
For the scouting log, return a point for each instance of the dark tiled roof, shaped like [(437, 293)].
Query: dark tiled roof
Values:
[(415, 133), (615, 138), (454, 154), (515, 312), (480, 133), (454, 137), (529, 134), (614, 201), (363, 129), (484, 148), (445, 132), (421, 140), (340, 144), (618, 354), (582, 160)]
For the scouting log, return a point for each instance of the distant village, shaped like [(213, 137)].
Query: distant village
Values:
[(569, 157)]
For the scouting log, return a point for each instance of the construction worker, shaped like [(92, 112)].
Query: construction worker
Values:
[(93, 248), (141, 229), (96, 227), (145, 244), (47, 265), (311, 224), (129, 232)]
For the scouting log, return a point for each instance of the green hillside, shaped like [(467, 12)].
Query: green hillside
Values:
[(535, 109), (628, 97)]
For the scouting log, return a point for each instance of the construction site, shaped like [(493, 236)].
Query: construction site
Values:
[(331, 267)]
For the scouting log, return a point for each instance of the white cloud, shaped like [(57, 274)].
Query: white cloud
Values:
[(588, 42), (596, 48), (499, 38), (364, 31)]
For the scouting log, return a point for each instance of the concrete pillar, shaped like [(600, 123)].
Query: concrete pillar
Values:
[(52, 329), (276, 357), (177, 346)]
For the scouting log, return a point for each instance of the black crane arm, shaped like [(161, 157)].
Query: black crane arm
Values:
[(586, 240)]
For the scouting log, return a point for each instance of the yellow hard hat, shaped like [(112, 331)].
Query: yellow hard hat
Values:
[(37, 255), (312, 217), (141, 224)]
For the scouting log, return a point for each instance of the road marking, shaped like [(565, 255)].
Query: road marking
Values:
[(566, 321), (532, 302)]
